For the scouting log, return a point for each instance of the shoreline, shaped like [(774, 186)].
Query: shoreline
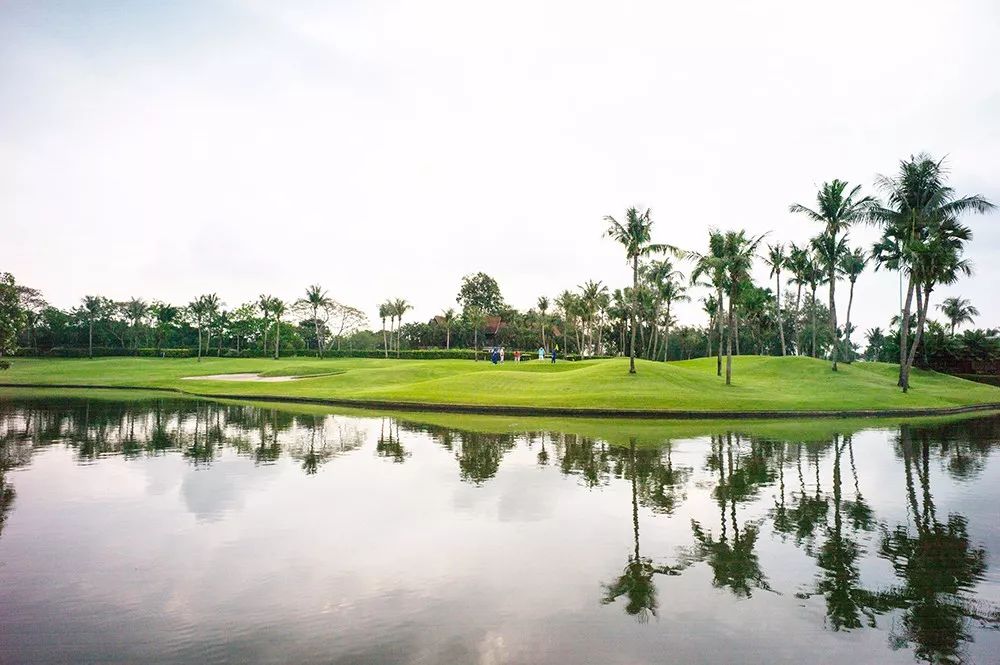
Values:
[(520, 410)]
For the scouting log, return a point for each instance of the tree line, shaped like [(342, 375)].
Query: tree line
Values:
[(922, 239)]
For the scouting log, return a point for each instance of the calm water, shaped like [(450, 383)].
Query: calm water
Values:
[(194, 532)]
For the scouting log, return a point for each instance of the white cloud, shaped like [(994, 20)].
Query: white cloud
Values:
[(385, 150)]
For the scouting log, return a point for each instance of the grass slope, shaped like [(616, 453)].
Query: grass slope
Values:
[(760, 383)]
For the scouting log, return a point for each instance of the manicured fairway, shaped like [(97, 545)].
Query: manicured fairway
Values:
[(760, 383)]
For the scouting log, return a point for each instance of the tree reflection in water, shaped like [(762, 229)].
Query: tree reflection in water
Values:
[(928, 603)]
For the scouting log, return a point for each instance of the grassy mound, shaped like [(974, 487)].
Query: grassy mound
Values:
[(759, 384)]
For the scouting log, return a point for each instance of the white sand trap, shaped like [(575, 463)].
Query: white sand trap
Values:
[(240, 377)]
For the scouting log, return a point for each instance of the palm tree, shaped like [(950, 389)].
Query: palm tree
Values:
[(635, 236), (164, 314), (958, 311), (920, 210), (317, 299), (567, 302), (136, 310), (197, 309), (837, 212), (712, 266), (211, 315), (739, 253), (875, 340), (777, 259), (384, 311), (278, 309), (814, 276), (447, 319), (93, 308), (671, 292), (265, 303), (798, 265), (592, 294), (399, 308), (543, 307), (852, 264), (827, 251), (476, 316)]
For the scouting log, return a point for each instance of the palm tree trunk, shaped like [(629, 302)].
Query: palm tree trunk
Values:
[(847, 324), (319, 342), (718, 360), (90, 338), (277, 338), (635, 294), (833, 313), (813, 320), (385, 340), (923, 300), (904, 333), (729, 343), (797, 328), (543, 330), (777, 306), (475, 340), (199, 341), (736, 329), (447, 338), (666, 335)]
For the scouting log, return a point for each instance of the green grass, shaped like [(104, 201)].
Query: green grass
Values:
[(759, 384)]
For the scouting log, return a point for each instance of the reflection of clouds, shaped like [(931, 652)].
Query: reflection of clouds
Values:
[(210, 492)]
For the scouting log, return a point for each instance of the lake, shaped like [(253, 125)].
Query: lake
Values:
[(137, 529)]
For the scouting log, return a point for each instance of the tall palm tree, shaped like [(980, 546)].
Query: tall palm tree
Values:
[(448, 320), (164, 314), (837, 211), (543, 307), (278, 309), (799, 266), (712, 267), (739, 252), (815, 277), (777, 259), (212, 305), (317, 299), (592, 295), (93, 308), (672, 291), (567, 302), (400, 307), (197, 310), (958, 311), (827, 251), (384, 311), (635, 235), (265, 303), (136, 310), (919, 206), (852, 264)]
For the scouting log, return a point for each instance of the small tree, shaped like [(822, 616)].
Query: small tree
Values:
[(12, 317)]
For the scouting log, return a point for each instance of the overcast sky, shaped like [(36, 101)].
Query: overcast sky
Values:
[(165, 150)]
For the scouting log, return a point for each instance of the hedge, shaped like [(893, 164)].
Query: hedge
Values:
[(409, 354)]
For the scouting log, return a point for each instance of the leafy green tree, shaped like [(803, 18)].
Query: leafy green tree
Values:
[(33, 305), (958, 311), (921, 238), (777, 260), (837, 211), (481, 291), (12, 317), (635, 235)]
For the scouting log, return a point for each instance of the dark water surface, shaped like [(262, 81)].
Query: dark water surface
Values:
[(169, 531)]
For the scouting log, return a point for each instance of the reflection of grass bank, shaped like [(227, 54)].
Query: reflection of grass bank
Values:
[(646, 432), (762, 383)]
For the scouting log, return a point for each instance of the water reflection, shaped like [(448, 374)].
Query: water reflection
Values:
[(745, 512)]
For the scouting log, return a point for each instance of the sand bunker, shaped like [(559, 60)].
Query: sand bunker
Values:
[(240, 377)]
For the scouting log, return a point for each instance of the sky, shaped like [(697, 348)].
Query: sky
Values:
[(383, 150)]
